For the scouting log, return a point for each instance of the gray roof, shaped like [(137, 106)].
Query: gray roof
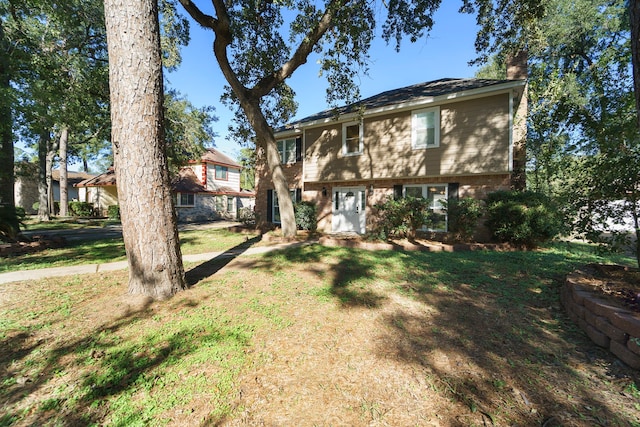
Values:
[(406, 94)]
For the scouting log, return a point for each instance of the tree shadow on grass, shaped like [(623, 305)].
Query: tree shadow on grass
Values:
[(350, 271), (495, 341), (212, 266), (107, 366), (16, 349)]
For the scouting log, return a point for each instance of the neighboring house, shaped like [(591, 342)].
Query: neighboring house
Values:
[(100, 190), (26, 185), (438, 140), (207, 189)]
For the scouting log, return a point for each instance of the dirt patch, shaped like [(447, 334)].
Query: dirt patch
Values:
[(418, 339), (615, 283), (34, 244)]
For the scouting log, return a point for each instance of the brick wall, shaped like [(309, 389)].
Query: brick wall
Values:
[(607, 325)]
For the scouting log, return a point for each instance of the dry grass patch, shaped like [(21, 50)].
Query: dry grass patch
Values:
[(314, 336)]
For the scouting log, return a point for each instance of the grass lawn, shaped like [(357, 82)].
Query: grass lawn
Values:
[(315, 336), (31, 223), (109, 250)]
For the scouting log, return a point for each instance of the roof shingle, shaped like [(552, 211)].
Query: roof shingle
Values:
[(408, 94)]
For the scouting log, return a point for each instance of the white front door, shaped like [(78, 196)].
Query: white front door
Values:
[(349, 210)]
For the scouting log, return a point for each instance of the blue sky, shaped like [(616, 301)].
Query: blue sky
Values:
[(445, 53)]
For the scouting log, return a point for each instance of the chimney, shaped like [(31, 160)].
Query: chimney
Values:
[(517, 66)]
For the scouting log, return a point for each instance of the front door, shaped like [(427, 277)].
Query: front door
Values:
[(349, 210)]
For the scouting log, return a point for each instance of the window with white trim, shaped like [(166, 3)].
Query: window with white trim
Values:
[(287, 150), (352, 138), (185, 200), (425, 128), (276, 205), (222, 173), (220, 203), (435, 195), (230, 204)]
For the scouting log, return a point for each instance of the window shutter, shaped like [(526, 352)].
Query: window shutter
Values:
[(453, 190), (299, 149), (397, 192), (298, 195), (269, 205)]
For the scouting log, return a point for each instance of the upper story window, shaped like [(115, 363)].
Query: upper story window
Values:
[(352, 140), (222, 173), (425, 128), (287, 149)]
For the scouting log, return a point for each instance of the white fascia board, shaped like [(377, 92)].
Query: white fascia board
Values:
[(288, 133), (439, 100)]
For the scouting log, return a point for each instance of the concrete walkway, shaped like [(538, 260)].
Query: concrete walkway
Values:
[(16, 276), (116, 231)]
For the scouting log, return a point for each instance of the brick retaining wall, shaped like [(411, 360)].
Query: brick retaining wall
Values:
[(608, 326)]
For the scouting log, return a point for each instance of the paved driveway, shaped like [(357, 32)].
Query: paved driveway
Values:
[(115, 231)]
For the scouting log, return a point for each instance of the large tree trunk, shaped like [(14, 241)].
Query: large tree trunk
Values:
[(264, 135), (7, 180), (149, 225), (52, 148), (634, 15), (44, 142), (64, 196)]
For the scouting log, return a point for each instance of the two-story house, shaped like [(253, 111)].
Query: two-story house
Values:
[(206, 189), (438, 140)]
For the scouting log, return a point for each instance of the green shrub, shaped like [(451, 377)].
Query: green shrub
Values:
[(10, 222), (81, 209), (247, 216), (401, 217), (306, 216), (113, 212), (463, 215), (522, 217)]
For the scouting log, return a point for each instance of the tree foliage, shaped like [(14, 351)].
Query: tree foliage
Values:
[(583, 129), (256, 58), (187, 128)]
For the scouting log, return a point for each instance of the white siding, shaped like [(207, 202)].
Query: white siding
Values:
[(232, 182)]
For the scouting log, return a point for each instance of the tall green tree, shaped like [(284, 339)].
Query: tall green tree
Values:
[(6, 119), (247, 159), (61, 81), (258, 45), (187, 128), (583, 134)]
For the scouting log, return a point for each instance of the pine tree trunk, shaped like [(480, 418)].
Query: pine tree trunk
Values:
[(7, 180), (149, 225), (43, 193), (51, 154), (64, 196), (634, 15)]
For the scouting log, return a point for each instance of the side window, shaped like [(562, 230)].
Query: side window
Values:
[(220, 203), (185, 199), (222, 173), (425, 128), (287, 149), (352, 138), (276, 205), (435, 195)]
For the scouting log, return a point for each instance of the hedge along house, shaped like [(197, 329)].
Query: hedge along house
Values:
[(442, 139), (206, 189)]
